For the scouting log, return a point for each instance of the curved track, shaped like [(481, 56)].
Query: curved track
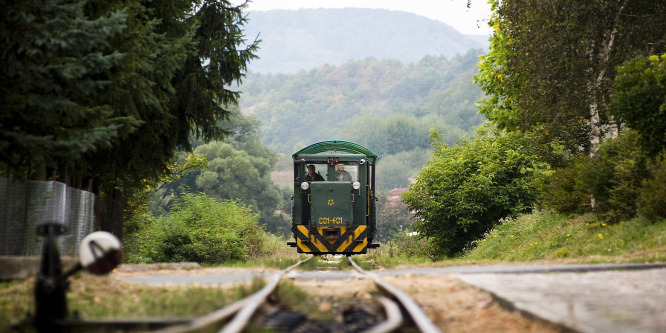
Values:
[(395, 302), (242, 311), (406, 303)]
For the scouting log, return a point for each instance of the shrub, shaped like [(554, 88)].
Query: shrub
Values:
[(613, 179), (199, 229), (652, 197), (466, 189), (562, 191), (403, 244)]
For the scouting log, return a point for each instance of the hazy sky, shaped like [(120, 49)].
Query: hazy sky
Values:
[(455, 13)]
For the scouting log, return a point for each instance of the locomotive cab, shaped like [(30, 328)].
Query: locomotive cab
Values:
[(334, 213)]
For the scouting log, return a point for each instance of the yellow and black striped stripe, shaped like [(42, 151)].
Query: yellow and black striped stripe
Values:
[(352, 240)]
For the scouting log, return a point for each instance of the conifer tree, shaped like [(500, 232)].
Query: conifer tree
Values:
[(110, 90), (53, 63)]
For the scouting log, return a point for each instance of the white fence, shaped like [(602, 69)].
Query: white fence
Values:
[(26, 204)]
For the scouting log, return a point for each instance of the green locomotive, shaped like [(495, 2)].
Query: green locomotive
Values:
[(333, 207)]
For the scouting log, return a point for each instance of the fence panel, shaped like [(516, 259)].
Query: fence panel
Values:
[(26, 204)]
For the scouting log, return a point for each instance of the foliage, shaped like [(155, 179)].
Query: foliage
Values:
[(198, 229), (563, 191), (404, 245), (236, 169), (174, 93), (53, 61), (613, 178), (392, 218), (467, 188), (551, 66), (189, 174), (543, 235), (396, 170), (381, 104), (139, 202), (394, 133), (238, 175), (652, 198), (640, 100)]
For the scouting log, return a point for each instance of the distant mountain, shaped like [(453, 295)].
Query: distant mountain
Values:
[(308, 38)]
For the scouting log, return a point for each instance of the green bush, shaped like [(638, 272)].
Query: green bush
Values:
[(199, 229), (612, 178), (466, 189), (652, 197), (405, 245), (562, 191)]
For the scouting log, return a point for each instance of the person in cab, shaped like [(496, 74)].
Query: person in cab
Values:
[(341, 174), (312, 176)]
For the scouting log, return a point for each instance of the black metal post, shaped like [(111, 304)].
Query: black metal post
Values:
[(50, 287)]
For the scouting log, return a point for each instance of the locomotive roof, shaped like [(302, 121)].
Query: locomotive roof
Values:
[(338, 145)]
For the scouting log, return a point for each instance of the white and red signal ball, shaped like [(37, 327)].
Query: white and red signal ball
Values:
[(100, 252)]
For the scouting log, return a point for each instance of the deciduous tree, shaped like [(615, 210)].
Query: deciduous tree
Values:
[(552, 63)]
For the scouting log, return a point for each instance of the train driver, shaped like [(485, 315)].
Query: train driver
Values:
[(312, 176), (341, 174)]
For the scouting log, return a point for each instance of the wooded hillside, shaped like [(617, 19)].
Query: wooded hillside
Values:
[(382, 104), (336, 102)]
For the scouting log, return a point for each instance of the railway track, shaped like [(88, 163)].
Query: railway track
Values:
[(399, 310)]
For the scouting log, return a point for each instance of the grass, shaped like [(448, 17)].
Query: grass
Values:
[(404, 251), (585, 238), (96, 297)]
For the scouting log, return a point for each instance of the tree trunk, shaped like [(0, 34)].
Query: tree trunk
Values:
[(595, 130), (597, 84), (613, 127)]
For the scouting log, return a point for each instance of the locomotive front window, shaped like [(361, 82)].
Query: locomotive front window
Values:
[(319, 172), (346, 172)]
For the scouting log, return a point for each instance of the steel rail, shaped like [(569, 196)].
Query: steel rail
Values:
[(393, 317), (242, 318), (242, 309), (422, 321)]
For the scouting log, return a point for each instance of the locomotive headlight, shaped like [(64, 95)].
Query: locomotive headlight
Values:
[(356, 185), (305, 185)]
